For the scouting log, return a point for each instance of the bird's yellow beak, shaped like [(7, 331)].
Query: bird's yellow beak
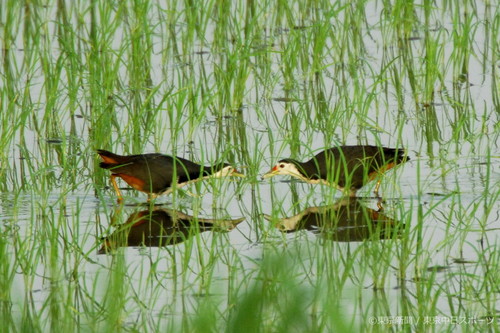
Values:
[(270, 174), (235, 173)]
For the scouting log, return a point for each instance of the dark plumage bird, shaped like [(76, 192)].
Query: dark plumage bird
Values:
[(155, 173), (347, 167)]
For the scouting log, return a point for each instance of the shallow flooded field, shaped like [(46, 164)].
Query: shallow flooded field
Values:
[(249, 84)]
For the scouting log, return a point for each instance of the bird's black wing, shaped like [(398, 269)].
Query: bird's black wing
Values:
[(165, 170), (347, 165)]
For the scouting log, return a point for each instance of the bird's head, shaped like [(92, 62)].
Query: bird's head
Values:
[(226, 170), (287, 167)]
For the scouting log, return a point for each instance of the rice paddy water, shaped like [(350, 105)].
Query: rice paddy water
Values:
[(249, 83)]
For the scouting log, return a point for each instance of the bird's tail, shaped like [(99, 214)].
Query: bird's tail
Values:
[(109, 159), (398, 154)]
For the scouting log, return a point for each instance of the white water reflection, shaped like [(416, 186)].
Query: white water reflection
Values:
[(450, 186)]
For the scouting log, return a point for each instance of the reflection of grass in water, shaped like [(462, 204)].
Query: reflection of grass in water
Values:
[(279, 301), (260, 82)]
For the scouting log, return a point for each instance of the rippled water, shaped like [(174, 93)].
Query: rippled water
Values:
[(444, 201)]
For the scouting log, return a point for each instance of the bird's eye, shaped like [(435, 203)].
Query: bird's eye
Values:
[(282, 165)]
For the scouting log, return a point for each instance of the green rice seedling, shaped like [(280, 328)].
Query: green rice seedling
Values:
[(114, 302), (249, 83), (8, 275)]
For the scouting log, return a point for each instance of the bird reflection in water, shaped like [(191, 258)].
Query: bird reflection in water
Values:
[(348, 220), (162, 227)]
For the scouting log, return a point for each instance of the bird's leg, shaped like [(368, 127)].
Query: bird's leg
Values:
[(377, 195), (116, 215), (377, 187), (379, 204), (117, 190)]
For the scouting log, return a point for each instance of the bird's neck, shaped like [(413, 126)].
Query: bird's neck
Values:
[(308, 173), (209, 171), (303, 173), (213, 171)]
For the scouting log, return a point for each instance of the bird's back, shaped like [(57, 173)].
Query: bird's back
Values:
[(154, 172), (352, 165)]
